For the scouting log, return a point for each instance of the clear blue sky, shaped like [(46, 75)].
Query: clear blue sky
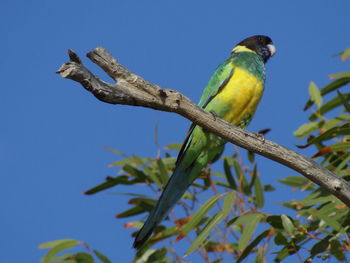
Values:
[(53, 130)]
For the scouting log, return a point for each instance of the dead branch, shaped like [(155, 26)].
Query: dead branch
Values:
[(131, 89)]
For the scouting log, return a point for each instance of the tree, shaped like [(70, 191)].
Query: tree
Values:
[(232, 222)]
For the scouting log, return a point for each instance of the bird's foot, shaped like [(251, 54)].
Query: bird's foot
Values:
[(260, 136), (213, 113)]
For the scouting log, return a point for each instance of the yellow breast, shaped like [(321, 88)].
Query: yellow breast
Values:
[(242, 94)]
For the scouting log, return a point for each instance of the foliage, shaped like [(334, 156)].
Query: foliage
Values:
[(57, 247), (222, 214)]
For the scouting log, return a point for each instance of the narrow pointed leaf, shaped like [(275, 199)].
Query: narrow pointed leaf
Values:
[(55, 243), (252, 245), (329, 88), (58, 248), (163, 173), (200, 214), (110, 182), (329, 105), (295, 181), (228, 203), (102, 257), (116, 151), (330, 221), (341, 146), (202, 238), (315, 94), (83, 257), (345, 54), (229, 175), (248, 230), (136, 210), (288, 225), (306, 129), (241, 177), (259, 192), (339, 75), (344, 101), (174, 146)]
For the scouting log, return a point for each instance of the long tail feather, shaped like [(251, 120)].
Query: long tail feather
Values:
[(175, 188)]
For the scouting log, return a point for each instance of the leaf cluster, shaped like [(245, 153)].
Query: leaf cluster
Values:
[(222, 215)]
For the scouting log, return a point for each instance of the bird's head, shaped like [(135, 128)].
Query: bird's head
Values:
[(261, 45)]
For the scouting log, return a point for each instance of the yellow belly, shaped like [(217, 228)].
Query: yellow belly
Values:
[(243, 92)]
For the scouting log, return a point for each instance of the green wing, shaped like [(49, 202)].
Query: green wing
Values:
[(189, 163), (218, 80)]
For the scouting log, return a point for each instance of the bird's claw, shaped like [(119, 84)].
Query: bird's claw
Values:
[(213, 113), (260, 136)]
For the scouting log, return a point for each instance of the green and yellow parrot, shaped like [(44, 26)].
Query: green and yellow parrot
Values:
[(233, 94)]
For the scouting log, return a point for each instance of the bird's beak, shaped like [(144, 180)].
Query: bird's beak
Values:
[(272, 49)]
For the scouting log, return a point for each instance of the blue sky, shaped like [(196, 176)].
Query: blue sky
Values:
[(53, 130)]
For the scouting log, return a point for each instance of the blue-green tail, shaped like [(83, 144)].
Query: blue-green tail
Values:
[(175, 188)]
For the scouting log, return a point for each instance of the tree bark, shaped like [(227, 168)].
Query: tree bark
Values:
[(131, 89)]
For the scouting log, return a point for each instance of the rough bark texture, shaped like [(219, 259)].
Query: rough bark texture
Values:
[(131, 89)]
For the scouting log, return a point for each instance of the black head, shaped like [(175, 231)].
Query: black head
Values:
[(260, 44)]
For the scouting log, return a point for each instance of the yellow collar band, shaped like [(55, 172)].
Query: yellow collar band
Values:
[(242, 49)]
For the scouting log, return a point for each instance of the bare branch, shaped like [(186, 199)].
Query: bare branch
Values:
[(131, 89)]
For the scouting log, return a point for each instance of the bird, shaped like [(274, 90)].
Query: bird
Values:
[(232, 94)]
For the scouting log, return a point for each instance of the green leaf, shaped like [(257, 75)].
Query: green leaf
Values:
[(70, 243), (269, 188), (344, 101), (288, 225), (252, 245), (283, 253), (345, 54), (240, 176), (315, 94), (339, 75), (306, 129), (116, 151), (158, 256), (134, 160), (315, 200), (335, 121), (330, 221), (144, 202), (202, 238), (251, 156), (102, 257), (83, 257), (330, 105), (65, 258), (136, 210), (248, 230), (295, 181), (320, 246), (228, 203), (329, 134), (110, 182), (133, 171), (54, 243), (200, 214), (344, 162), (275, 221), (229, 175), (174, 146), (280, 239), (163, 173), (337, 250), (259, 193), (329, 88), (341, 146)]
